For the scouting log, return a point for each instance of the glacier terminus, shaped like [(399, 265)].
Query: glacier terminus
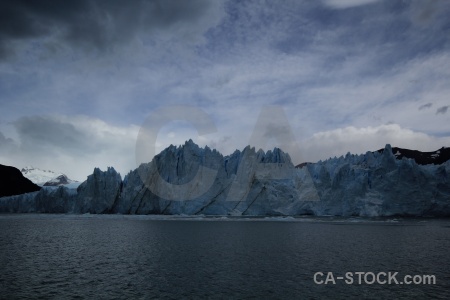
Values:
[(190, 180)]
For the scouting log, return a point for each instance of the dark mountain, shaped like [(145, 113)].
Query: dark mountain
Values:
[(302, 165), (422, 158), (59, 180), (12, 182)]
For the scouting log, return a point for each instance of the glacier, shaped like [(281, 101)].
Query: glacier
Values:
[(190, 180)]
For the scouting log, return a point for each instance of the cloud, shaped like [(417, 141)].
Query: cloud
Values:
[(328, 68), (73, 145), (425, 11), (54, 134), (425, 106), (342, 4), (7, 145), (76, 144), (219, 143), (103, 24), (442, 110), (338, 142)]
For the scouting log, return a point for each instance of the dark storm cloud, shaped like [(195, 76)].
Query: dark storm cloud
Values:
[(442, 110), (397, 30), (6, 144), (48, 134), (425, 106), (92, 24), (426, 10)]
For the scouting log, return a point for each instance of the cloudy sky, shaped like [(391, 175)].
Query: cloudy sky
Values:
[(79, 78)]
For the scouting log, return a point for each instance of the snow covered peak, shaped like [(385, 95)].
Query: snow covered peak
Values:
[(31, 169), (39, 176), (61, 180), (45, 177)]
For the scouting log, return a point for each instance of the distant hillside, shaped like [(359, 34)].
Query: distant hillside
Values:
[(421, 158), (60, 180), (12, 182)]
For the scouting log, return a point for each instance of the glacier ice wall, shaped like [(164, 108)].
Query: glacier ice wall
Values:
[(251, 182)]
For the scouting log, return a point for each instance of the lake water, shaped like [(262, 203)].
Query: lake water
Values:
[(145, 257)]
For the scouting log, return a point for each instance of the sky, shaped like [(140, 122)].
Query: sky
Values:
[(78, 79)]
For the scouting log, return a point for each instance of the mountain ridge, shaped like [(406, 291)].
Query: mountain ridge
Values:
[(12, 182), (437, 157)]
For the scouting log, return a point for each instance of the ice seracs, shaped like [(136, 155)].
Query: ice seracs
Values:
[(258, 183), (99, 192)]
